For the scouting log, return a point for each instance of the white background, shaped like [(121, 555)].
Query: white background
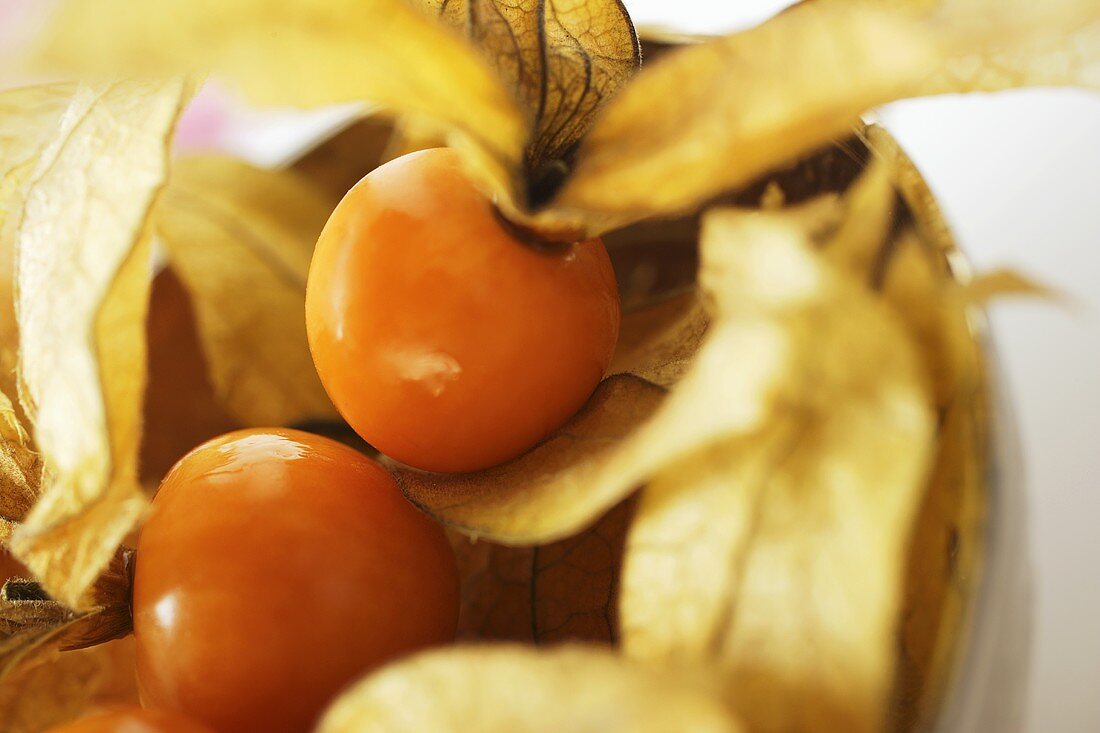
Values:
[(1018, 175)]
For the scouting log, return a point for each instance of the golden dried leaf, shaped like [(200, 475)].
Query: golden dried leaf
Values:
[(28, 613), (757, 99), (911, 264), (564, 591), (949, 536), (230, 230), (28, 119), (557, 488), (866, 220), (572, 688), (495, 590), (944, 572), (993, 284), (303, 53), (745, 104), (38, 686), (775, 551), (82, 290), (563, 58), (1054, 43)]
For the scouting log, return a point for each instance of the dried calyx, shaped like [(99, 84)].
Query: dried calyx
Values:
[(32, 621)]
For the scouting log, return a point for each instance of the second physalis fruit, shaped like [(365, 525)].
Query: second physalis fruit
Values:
[(444, 338), (277, 567)]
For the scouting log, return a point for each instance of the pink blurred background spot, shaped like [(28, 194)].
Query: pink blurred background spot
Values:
[(204, 123)]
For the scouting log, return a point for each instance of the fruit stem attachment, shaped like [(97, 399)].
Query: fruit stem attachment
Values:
[(25, 606), (531, 237), (544, 182)]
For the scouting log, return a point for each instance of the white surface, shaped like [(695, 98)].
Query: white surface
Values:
[(1019, 178)]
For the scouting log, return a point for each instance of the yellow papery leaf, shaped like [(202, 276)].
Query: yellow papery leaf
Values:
[(917, 271), (866, 217), (654, 261), (28, 120), (83, 275), (1003, 44), (304, 53), (776, 551), (572, 688), (563, 58), (757, 99), (240, 239), (995, 284), (556, 489), (744, 104)]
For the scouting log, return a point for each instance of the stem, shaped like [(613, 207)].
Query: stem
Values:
[(530, 237)]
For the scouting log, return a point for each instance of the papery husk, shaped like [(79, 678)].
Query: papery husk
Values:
[(230, 229), (745, 104), (555, 490), (563, 59), (571, 688), (301, 53), (922, 279), (773, 550), (888, 230), (82, 254), (761, 98)]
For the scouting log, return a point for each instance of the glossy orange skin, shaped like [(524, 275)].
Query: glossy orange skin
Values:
[(131, 720), (443, 340), (276, 567)]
